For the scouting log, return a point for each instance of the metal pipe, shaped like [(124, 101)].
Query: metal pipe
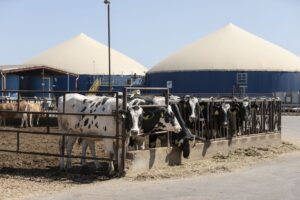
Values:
[(107, 2), (68, 84), (76, 83)]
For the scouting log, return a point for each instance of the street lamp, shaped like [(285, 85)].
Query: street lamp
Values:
[(107, 2)]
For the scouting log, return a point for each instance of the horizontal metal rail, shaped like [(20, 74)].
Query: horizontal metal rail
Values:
[(53, 155), (82, 135)]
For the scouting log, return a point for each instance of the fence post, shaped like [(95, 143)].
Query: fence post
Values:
[(124, 129), (117, 131)]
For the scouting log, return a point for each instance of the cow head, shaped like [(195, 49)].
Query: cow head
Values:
[(225, 108), (134, 117), (168, 120), (191, 103)]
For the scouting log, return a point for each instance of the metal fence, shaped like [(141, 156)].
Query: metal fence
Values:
[(49, 132), (261, 116)]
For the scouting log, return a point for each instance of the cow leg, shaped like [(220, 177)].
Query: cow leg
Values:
[(84, 148), (69, 145), (30, 119), (91, 144), (109, 147), (24, 120), (37, 120), (61, 152)]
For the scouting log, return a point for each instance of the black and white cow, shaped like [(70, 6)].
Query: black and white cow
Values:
[(152, 119), (181, 138), (98, 125), (219, 122)]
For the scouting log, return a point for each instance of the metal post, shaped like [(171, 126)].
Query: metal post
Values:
[(107, 2), (117, 130), (68, 84), (124, 129)]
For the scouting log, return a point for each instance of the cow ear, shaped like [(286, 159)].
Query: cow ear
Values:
[(148, 115)]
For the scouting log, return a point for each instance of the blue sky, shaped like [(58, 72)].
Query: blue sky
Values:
[(145, 30)]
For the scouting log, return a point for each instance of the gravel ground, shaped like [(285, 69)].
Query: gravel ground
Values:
[(25, 176)]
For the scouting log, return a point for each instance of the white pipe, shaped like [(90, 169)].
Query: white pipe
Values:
[(76, 82), (68, 84), (3, 81)]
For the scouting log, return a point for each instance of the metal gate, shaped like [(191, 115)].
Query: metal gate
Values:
[(52, 113)]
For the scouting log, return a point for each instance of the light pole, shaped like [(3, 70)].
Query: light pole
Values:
[(107, 2)]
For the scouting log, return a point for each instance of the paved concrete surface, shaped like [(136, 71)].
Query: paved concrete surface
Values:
[(277, 179)]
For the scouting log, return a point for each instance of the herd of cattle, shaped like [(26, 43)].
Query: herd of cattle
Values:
[(187, 118)]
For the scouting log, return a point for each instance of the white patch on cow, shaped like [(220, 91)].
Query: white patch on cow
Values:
[(225, 108), (135, 114), (193, 103), (245, 104)]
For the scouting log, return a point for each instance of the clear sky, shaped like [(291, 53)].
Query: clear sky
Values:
[(145, 30)]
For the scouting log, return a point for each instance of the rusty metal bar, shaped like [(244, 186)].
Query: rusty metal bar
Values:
[(124, 130), (54, 155), (58, 134), (18, 142), (117, 133)]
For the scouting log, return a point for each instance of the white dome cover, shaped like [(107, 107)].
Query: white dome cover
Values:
[(230, 49), (84, 55)]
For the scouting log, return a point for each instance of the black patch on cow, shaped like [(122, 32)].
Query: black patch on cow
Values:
[(104, 101), (73, 105), (105, 128), (97, 104), (86, 121), (135, 102), (96, 125), (90, 101), (95, 116), (91, 111), (77, 125), (89, 126), (92, 122), (103, 109), (83, 109), (92, 105), (84, 100)]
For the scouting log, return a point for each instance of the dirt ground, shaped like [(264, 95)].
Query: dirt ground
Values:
[(26, 175)]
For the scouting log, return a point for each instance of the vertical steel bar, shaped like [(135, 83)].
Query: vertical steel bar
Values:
[(279, 116), (64, 102), (117, 131), (18, 103), (48, 125), (18, 141), (124, 129)]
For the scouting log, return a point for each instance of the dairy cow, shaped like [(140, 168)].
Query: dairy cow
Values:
[(87, 124), (152, 119), (8, 111)]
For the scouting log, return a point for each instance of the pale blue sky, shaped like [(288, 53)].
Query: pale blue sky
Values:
[(146, 30)]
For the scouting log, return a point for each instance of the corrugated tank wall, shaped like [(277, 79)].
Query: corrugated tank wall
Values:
[(224, 81)]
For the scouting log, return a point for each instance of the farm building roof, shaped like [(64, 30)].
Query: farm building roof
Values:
[(230, 49), (33, 69), (84, 55)]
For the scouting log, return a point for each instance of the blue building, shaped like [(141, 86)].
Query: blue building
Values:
[(88, 58), (30, 77), (229, 61)]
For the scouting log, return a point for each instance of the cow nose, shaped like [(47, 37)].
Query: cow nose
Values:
[(134, 132), (192, 118)]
